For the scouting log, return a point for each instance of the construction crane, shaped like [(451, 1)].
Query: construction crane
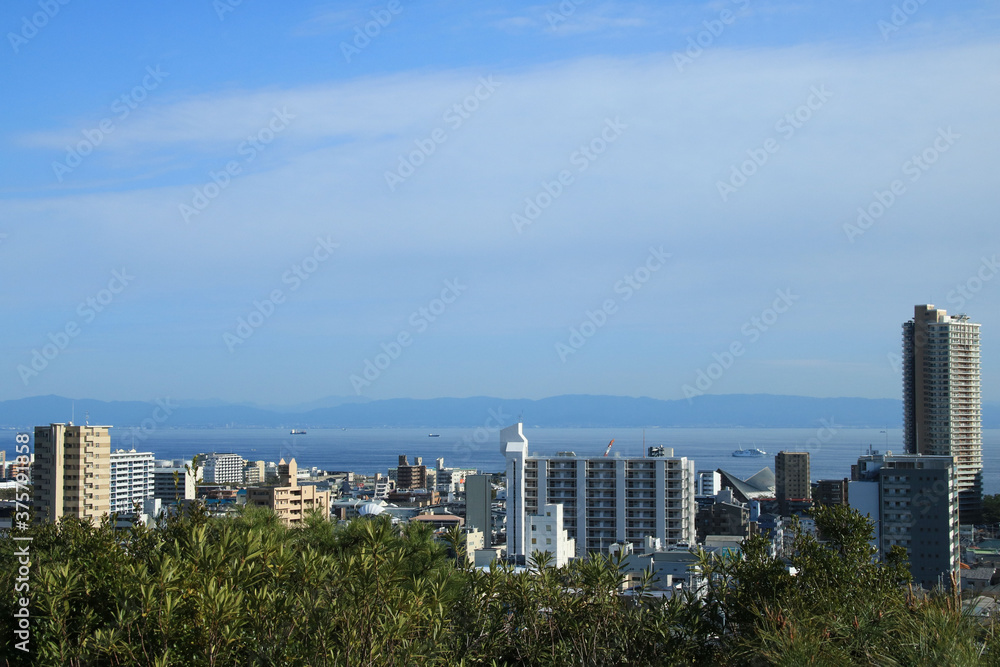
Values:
[(609, 446)]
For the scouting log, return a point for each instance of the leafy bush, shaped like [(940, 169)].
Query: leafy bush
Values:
[(250, 591)]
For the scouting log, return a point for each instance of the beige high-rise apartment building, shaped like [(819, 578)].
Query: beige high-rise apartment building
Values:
[(942, 413), (72, 472)]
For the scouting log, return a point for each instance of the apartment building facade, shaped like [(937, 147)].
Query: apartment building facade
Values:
[(942, 407), (72, 472), (221, 468), (173, 480), (913, 501), (606, 500), (290, 502), (132, 480), (791, 479)]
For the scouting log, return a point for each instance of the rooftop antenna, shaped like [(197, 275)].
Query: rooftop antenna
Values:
[(72, 414)]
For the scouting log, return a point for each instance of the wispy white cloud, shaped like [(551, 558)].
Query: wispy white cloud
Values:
[(452, 217), (578, 17), (330, 19)]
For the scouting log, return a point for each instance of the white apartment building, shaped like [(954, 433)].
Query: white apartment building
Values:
[(383, 486), (222, 468), (606, 500), (131, 480), (707, 483), (548, 534), (452, 480)]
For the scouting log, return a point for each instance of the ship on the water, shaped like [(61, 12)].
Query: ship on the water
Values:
[(294, 432), (753, 453)]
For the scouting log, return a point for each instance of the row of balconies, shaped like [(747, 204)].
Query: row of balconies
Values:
[(640, 504), (601, 513)]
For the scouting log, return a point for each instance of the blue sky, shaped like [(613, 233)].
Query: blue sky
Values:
[(259, 202)]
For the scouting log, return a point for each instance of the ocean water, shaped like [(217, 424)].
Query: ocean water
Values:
[(833, 449)]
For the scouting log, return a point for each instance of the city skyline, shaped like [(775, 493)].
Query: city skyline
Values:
[(220, 200)]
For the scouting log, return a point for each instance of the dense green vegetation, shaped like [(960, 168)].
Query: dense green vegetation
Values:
[(991, 510), (248, 591)]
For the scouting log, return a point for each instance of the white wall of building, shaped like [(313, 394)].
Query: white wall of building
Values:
[(222, 468), (131, 480), (548, 534)]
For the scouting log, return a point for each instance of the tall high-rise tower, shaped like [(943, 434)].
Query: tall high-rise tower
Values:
[(941, 397), (72, 472)]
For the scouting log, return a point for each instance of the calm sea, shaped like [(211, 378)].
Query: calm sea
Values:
[(833, 449)]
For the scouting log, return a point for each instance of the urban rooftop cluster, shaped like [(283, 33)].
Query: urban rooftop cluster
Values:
[(658, 511)]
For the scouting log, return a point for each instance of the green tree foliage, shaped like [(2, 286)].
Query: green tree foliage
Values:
[(835, 603), (991, 509), (250, 591)]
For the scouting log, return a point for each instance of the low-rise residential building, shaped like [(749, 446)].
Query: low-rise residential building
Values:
[(707, 483), (411, 477), (254, 473), (382, 486), (725, 516), (419, 498), (979, 578), (832, 491), (221, 468), (173, 480), (290, 502), (438, 521), (548, 534)]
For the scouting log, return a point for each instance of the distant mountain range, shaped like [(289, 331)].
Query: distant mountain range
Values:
[(719, 411)]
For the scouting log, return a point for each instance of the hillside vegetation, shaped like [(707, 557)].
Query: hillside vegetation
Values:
[(249, 591)]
